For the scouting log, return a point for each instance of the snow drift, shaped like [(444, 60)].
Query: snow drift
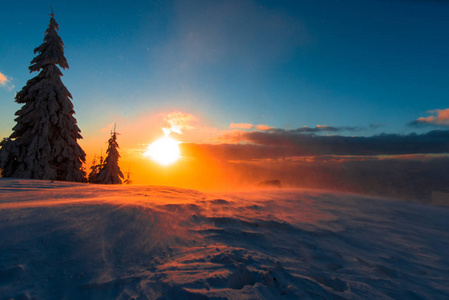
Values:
[(78, 241)]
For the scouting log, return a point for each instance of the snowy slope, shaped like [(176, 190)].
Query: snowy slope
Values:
[(78, 241)]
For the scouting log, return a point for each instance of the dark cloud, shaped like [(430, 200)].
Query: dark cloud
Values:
[(277, 143), (436, 141), (237, 136), (318, 129), (375, 126)]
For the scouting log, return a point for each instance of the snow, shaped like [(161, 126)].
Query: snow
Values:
[(62, 240)]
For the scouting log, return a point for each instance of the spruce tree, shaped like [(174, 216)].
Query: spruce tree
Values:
[(92, 177), (44, 144), (95, 168), (110, 173), (128, 177)]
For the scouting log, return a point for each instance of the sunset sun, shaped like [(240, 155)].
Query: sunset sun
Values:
[(164, 151)]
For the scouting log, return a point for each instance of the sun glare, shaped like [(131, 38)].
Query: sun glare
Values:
[(164, 151)]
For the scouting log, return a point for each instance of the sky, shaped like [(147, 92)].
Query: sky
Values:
[(230, 71)]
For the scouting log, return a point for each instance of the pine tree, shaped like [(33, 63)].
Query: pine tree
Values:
[(128, 177), (92, 178), (110, 173), (44, 144), (95, 168), (101, 159)]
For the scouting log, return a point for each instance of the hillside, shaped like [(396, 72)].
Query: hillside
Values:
[(78, 241)]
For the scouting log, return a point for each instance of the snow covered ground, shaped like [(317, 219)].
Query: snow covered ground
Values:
[(78, 241)]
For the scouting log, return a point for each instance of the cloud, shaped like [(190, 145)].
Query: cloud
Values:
[(263, 127), (5, 81), (248, 126), (108, 128), (301, 142), (241, 125), (177, 122), (239, 135), (439, 117), (231, 137), (324, 129), (317, 129), (375, 126)]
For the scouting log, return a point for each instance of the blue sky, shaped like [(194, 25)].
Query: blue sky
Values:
[(374, 66)]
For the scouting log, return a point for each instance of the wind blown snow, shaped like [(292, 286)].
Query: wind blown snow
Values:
[(79, 241)]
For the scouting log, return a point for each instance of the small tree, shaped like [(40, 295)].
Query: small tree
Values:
[(110, 172), (44, 144), (128, 177), (92, 177), (95, 169)]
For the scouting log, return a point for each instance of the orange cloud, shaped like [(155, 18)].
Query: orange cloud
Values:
[(439, 117), (178, 121), (232, 137), (239, 133), (249, 126), (107, 128), (3, 79), (241, 126), (6, 82), (263, 127)]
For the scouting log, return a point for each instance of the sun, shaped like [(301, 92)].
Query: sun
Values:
[(164, 151)]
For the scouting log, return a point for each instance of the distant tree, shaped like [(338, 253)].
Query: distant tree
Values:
[(101, 159), (95, 168), (128, 177), (110, 172), (44, 144), (6, 157), (92, 177)]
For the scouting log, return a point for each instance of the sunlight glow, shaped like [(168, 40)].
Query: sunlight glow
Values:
[(164, 151)]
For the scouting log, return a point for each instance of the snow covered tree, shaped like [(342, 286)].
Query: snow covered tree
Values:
[(95, 168), (92, 178), (110, 173), (128, 177), (44, 144)]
